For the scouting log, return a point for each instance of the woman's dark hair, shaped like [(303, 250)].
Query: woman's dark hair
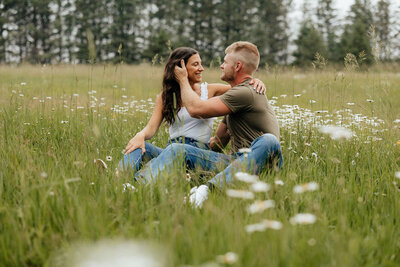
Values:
[(171, 91)]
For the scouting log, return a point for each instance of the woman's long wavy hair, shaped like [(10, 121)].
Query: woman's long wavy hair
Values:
[(171, 91)]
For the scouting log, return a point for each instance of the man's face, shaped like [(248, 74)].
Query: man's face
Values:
[(228, 68), (194, 69)]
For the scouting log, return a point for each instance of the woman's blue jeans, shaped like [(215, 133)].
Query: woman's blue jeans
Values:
[(265, 151), (133, 161)]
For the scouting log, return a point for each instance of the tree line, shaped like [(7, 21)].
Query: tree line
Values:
[(135, 31)]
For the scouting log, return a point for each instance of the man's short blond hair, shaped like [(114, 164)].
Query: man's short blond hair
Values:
[(247, 53)]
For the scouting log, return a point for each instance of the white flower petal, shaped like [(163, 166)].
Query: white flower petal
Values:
[(303, 218), (260, 187), (260, 206), (245, 177), (239, 194)]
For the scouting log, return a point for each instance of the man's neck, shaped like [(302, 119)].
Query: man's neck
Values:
[(240, 78)]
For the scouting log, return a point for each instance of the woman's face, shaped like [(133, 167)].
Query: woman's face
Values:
[(194, 69)]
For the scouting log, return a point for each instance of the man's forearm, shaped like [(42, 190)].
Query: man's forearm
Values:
[(189, 98)]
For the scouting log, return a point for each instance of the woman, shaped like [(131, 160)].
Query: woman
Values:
[(168, 107)]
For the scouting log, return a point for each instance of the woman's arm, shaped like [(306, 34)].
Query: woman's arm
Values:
[(217, 89), (149, 130)]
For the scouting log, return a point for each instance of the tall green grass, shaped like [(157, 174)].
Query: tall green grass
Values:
[(53, 196)]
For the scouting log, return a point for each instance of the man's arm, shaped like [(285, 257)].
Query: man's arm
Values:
[(197, 108), (221, 138)]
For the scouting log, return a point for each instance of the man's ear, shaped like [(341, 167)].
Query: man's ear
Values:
[(238, 66)]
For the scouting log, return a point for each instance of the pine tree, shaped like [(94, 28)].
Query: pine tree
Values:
[(309, 42), (326, 15), (270, 30), (382, 28), (125, 14), (355, 38)]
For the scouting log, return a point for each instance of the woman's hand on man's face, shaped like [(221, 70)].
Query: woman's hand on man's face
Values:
[(180, 73)]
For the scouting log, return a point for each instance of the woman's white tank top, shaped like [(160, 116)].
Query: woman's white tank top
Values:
[(185, 125)]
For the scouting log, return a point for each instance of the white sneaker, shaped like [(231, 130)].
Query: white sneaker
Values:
[(198, 195)]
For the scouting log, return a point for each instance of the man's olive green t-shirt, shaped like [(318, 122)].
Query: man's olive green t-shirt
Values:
[(251, 117)]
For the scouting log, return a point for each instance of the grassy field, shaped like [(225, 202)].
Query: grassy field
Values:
[(57, 207)]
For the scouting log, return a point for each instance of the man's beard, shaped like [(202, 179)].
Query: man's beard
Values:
[(227, 77)]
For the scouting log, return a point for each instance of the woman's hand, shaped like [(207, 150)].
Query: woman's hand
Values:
[(136, 142), (180, 73), (259, 86)]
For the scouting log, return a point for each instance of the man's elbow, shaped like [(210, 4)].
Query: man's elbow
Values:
[(194, 112)]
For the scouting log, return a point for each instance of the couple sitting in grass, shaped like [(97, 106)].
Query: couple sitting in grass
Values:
[(189, 106)]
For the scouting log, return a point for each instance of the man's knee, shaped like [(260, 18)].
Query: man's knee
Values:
[(271, 142)]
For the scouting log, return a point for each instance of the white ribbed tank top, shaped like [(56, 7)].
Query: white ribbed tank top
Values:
[(185, 125)]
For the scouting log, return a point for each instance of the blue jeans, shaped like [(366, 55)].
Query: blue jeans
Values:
[(265, 150), (134, 159)]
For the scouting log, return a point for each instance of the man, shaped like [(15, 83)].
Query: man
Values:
[(249, 122)]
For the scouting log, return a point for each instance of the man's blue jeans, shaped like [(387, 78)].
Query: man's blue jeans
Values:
[(265, 150), (134, 159)]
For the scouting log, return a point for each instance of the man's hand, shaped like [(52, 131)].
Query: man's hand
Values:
[(136, 142), (259, 86), (180, 73)]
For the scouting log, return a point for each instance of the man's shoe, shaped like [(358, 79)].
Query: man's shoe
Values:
[(198, 195)]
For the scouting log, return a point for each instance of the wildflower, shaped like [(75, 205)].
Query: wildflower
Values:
[(21, 95), (298, 95), (353, 162), (43, 174), (311, 242), (188, 177), (279, 182), (397, 175), (370, 101), (260, 187), (27, 123), (263, 225), (124, 96), (13, 91), (116, 253), (228, 258), (398, 142), (336, 132), (245, 177), (109, 158), (314, 155), (23, 83), (350, 104), (51, 193), (298, 189), (127, 186), (123, 88), (303, 218), (76, 95), (240, 194), (313, 101), (283, 96), (64, 122), (115, 86), (48, 97), (244, 150), (100, 163), (260, 206)]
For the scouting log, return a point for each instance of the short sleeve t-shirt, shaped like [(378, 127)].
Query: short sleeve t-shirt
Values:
[(251, 117)]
